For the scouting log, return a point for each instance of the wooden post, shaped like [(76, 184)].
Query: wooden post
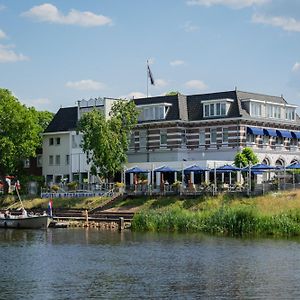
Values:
[(87, 217), (121, 224)]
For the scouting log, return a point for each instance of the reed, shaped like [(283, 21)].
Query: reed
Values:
[(233, 218)]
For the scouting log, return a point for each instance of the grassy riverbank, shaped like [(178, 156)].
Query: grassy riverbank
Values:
[(274, 214), (12, 202)]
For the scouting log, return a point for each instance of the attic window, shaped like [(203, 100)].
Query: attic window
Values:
[(157, 111), (216, 108)]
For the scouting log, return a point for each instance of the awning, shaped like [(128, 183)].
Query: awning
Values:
[(284, 134), (296, 134), (255, 130), (270, 132)]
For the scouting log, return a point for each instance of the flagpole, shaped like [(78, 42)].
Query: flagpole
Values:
[(147, 77)]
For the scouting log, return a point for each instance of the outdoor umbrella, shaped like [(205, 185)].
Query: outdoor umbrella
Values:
[(195, 169), (164, 169), (259, 168), (227, 169), (136, 170)]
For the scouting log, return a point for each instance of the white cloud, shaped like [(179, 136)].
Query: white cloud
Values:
[(231, 3), (177, 62), (86, 85), (2, 34), (2, 7), (9, 55), (296, 67), (134, 95), (288, 24), (189, 27), (196, 85), (160, 83), (49, 13)]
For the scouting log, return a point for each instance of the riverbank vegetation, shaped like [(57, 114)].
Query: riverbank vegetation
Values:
[(274, 214), (11, 202)]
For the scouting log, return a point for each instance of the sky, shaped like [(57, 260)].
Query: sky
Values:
[(55, 53)]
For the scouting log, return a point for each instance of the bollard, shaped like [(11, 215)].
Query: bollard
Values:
[(121, 224)]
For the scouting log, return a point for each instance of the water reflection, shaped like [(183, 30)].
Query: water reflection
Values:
[(92, 264)]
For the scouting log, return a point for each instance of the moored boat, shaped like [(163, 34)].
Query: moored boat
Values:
[(29, 222)]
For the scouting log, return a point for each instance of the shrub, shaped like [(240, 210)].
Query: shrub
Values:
[(72, 185)]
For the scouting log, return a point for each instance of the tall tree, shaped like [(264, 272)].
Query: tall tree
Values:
[(106, 141), (19, 132), (43, 119), (245, 158)]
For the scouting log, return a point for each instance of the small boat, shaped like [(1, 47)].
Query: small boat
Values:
[(29, 222), (24, 220)]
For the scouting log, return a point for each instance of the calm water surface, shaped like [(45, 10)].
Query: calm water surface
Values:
[(92, 264)]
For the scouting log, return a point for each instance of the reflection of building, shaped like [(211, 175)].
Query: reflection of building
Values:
[(180, 130)]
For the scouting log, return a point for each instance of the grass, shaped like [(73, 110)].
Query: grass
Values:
[(30, 203), (274, 214)]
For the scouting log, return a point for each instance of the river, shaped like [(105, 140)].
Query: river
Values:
[(92, 264)]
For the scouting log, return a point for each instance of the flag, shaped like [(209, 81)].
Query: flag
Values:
[(50, 205), (150, 75)]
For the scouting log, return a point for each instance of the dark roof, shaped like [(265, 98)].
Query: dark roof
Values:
[(178, 110), (64, 120), (182, 108), (195, 106)]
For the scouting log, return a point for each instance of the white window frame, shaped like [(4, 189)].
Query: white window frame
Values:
[(163, 135)]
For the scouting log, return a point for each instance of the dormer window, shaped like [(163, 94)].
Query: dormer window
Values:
[(290, 114), (216, 108), (151, 112)]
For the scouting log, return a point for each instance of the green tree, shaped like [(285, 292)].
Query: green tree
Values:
[(106, 141), (246, 157), (172, 93), (19, 132), (43, 119)]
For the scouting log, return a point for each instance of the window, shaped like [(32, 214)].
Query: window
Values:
[(250, 138), (183, 138), (290, 114), (255, 109), (201, 137), (223, 109), (213, 135), (163, 137), (51, 141), (206, 110), (215, 109), (143, 139), (212, 109), (67, 159), (266, 139), (57, 141), (273, 111), (51, 160), (132, 140), (26, 163), (225, 135), (154, 112), (39, 161), (279, 140), (57, 160), (76, 140)]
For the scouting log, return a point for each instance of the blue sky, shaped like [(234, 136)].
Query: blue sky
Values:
[(55, 53)]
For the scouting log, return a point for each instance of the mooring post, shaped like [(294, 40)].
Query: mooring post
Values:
[(121, 224), (87, 217)]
